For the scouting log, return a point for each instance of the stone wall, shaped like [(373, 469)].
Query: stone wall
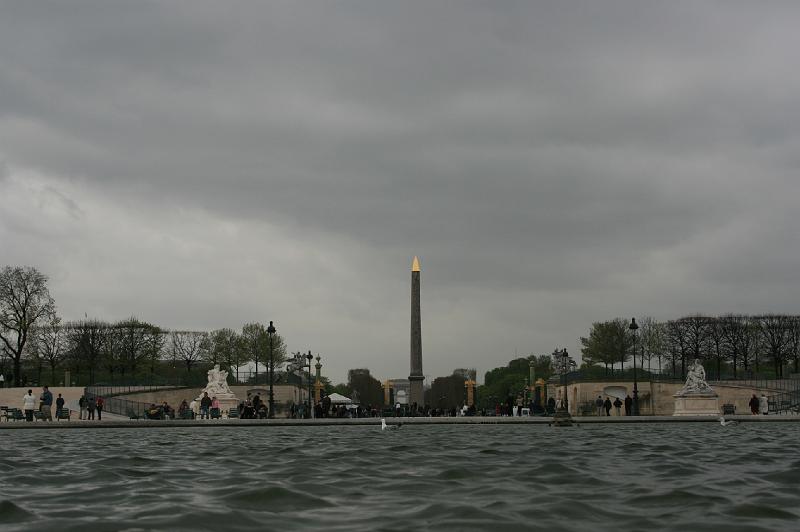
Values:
[(655, 398), (284, 394)]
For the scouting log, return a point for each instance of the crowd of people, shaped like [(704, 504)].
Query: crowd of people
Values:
[(91, 407), (41, 407)]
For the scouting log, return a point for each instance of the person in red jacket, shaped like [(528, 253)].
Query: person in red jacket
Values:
[(100, 404)]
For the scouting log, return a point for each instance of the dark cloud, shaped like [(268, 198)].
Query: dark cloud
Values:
[(552, 164)]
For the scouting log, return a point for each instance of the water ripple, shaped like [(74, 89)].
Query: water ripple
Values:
[(440, 477)]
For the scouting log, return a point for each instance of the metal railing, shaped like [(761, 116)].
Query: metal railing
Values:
[(124, 407)]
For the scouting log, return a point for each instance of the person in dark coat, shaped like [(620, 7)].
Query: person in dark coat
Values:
[(753, 405), (91, 405), (607, 406), (628, 405), (551, 405), (59, 405), (617, 405)]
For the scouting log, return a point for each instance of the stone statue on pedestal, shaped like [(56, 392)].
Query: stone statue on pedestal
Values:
[(696, 398), (696, 381), (218, 387), (217, 382)]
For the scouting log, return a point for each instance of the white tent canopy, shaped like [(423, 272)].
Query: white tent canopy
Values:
[(339, 399)]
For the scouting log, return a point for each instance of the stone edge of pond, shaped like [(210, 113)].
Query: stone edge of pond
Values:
[(134, 423)]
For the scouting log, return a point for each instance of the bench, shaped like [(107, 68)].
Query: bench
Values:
[(186, 414), (215, 413), (62, 413), (15, 414), (233, 413), (728, 409)]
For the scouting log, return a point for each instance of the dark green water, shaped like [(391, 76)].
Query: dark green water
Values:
[(687, 476)]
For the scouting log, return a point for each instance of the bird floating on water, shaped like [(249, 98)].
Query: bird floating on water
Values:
[(384, 425), (725, 422)]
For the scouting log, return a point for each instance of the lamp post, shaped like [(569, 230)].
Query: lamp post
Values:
[(634, 327), (562, 418), (318, 383), (309, 357), (270, 333)]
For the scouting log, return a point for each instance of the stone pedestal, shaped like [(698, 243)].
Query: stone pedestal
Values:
[(696, 404), (226, 402)]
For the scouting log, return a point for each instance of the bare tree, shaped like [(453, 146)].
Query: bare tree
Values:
[(715, 330), (134, 344), (86, 342), (696, 330), (51, 344), (24, 300), (653, 341), (794, 342), (189, 346), (775, 332), (678, 344)]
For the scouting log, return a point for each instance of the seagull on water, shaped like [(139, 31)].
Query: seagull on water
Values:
[(384, 425), (725, 422)]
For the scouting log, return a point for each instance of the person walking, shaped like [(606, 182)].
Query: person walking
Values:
[(607, 406), (763, 404), (91, 404), (100, 403), (598, 403), (28, 405), (754, 405), (82, 407), (59, 405), (617, 405), (46, 405), (628, 405)]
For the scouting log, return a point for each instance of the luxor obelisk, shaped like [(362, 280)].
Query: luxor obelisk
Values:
[(416, 378)]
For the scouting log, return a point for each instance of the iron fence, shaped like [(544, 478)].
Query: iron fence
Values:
[(120, 406)]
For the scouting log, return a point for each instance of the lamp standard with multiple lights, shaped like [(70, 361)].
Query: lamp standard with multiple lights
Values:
[(634, 327), (564, 364), (309, 357)]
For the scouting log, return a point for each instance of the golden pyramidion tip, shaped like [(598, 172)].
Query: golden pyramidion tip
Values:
[(415, 265)]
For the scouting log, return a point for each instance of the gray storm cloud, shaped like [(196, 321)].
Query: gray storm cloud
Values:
[(202, 165)]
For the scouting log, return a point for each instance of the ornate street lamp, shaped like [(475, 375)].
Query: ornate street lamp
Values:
[(270, 333), (563, 363), (309, 357), (634, 327)]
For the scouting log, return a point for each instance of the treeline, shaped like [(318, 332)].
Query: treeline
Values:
[(40, 345), (513, 379), (730, 346), (132, 350)]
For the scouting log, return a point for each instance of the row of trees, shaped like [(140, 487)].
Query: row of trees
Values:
[(730, 345), (512, 379), (36, 341)]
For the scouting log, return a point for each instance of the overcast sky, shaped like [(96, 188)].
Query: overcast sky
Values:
[(205, 164)]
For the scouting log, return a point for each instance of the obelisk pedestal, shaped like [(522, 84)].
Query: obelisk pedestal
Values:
[(416, 378)]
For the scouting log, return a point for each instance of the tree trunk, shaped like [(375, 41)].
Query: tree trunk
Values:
[(17, 369)]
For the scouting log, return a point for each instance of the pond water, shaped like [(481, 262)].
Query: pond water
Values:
[(675, 476)]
